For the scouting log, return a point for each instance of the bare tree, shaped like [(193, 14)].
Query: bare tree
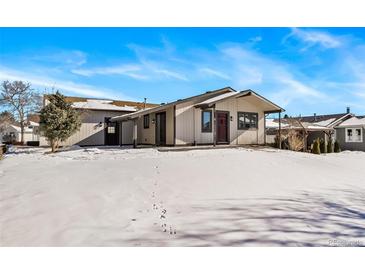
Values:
[(6, 118), (20, 99)]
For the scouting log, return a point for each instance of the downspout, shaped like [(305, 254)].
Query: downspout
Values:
[(214, 127), (134, 133), (174, 125), (194, 125), (280, 129), (265, 128)]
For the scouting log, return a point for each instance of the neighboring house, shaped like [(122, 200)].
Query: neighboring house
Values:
[(223, 116), (316, 126), (96, 128), (12, 133), (350, 134)]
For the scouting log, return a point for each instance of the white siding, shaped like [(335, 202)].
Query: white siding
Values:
[(202, 137), (147, 135), (92, 128), (244, 104), (184, 123)]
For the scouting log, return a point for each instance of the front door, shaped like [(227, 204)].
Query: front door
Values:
[(111, 133), (161, 129), (222, 127)]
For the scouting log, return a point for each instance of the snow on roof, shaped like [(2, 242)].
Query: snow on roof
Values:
[(353, 121), (325, 122), (34, 124), (17, 129), (101, 105), (128, 114), (271, 123)]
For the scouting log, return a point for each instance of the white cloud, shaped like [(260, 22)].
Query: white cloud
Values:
[(279, 81), (213, 72), (315, 37), (126, 70), (255, 40), (46, 83), (171, 74), (68, 57)]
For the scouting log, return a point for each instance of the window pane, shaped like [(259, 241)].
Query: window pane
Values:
[(247, 120), (206, 121), (349, 135), (358, 134), (146, 121), (111, 130), (254, 120), (241, 121)]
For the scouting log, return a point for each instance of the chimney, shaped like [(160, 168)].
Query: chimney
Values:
[(144, 103), (315, 116), (348, 110)]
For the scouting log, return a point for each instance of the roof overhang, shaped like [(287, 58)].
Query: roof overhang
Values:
[(139, 113), (212, 101)]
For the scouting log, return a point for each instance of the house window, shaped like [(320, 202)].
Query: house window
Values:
[(111, 130), (206, 121), (353, 135), (247, 120), (146, 121)]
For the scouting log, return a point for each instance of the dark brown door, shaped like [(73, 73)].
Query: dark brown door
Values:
[(161, 129), (111, 133), (222, 127)]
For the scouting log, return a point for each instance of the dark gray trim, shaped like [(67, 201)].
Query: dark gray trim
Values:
[(174, 125), (248, 92), (161, 112), (228, 127), (162, 107), (210, 122)]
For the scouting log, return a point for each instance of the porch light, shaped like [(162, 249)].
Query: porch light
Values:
[(153, 121), (231, 118)]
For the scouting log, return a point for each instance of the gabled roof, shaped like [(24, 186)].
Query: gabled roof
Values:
[(17, 129), (102, 105), (328, 120), (211, 101), (295, 124), (320, 118), (118, 103), (353, 121), (165, 106)]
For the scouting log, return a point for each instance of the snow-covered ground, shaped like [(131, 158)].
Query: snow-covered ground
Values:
[(142, 197)]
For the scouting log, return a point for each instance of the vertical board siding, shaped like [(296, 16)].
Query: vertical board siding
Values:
[(341, 138), (91, 133), (127, 133), (184, 123), (147, 135), (244, 104)]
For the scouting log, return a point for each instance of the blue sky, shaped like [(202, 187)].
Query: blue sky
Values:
[(305, 70)]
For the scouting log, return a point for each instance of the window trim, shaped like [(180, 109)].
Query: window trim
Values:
[(249, 113), (353, 129), (146, 125), (210, 129)]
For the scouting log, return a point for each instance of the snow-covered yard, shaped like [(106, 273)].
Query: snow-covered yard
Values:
[(142, 197)]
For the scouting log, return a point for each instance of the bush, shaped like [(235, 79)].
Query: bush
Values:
[(330, 146), (2, 150), (316, 147), (337, 147), (323, 146)]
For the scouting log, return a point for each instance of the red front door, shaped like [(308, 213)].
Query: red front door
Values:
[(222, 127)]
